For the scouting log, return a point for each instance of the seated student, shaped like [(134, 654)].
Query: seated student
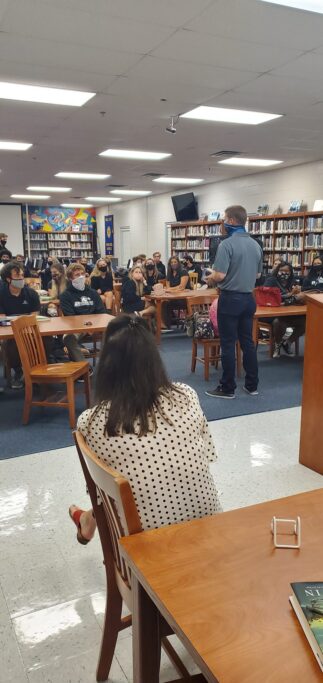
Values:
[(153, 275), (45, 273), (5, 257), (192, 267), (102, 281), (84, 261), (283, 278), (177, 277), (132, 294), (159, 264), (160, 440), (58, 283), (314, 278), (16, 298), (78, 299)]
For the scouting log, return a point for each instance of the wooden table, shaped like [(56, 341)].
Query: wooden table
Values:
[(185, 294), (223, 588), (310, 452), (69, 324), (275, 312)]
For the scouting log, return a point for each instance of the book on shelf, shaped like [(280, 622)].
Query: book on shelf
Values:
[(307, 602)]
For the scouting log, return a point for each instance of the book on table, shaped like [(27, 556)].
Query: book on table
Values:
[(307, 603)]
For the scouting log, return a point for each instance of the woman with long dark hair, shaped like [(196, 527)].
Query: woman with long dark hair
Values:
[(283, 277), (149, 429), (101, 279)]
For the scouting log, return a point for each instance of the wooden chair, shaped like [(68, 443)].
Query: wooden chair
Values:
[(268, 328), (211, 347), (117, 298), (116, 516), (33, 282), (193, 280), (37, 371)]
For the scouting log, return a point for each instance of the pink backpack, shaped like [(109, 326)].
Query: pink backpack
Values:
[(213, 313)]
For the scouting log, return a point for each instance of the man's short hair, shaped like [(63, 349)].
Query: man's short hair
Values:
[(237, 213), (156, 253), (9, 267), (72, 268)]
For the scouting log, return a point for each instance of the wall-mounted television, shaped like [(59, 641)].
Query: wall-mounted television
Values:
[(185, 207)]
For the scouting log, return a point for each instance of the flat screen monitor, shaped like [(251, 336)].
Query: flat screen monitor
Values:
[(185, 207)]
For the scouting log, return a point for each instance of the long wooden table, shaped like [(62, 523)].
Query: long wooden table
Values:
[(159, 299), (69, 324), (223, 588)]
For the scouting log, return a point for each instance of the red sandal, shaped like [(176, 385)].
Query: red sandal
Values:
[(76, 516)]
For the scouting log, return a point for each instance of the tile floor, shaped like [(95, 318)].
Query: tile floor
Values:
[(52, 589)]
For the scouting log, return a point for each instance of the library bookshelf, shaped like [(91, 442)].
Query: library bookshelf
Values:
[(59, 244), (295, 237)]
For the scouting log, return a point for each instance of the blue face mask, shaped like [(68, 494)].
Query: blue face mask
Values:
[(233, 229)]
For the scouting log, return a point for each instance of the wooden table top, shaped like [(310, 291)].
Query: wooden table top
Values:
[(224, 589), (69, 324), (184, 294), (279, 311)]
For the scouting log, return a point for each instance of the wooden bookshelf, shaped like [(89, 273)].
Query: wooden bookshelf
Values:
[(66, 245), (296, 237)]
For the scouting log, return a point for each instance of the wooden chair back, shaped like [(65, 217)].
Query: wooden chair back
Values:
[(33, 282), (200, 304), (193, 279), (29, 342), (117, 515), (117, 298)]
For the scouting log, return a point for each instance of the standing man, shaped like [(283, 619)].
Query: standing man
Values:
[(159, 265), (238, 263)]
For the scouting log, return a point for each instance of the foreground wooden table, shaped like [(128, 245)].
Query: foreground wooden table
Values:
[(69, 324), (311, 450), (159, 299), (223, 587)]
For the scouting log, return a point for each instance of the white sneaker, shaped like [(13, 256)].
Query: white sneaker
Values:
[(251, 393)]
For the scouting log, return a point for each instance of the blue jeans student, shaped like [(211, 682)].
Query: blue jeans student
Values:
[(235, 316)]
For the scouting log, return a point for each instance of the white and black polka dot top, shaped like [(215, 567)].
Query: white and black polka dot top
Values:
[(168, 469)]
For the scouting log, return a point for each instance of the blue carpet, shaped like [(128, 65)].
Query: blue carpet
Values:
[(280, 387)]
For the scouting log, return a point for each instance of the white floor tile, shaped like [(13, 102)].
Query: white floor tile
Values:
[(52, 590)]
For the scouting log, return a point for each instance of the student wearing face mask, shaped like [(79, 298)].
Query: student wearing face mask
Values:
[(78, 299), (153, 275), (16, 298), (102, 281), (46, 274), (133, 293), (5, 257), (314, 278), (283, 278), (58, 282)]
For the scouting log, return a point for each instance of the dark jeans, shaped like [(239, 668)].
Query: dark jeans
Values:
[(235, 316)]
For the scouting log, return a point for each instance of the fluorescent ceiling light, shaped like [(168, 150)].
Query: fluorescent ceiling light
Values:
[(39, 188), (177, 181), (35, 93), (306, 5), (134, 154), (30, 196), (252, 118), (103, 199), (244, 161), (15, 146), (82, 176), (77, 206), (131, 193)]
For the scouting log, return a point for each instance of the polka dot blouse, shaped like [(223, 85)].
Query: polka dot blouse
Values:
[(168, 469)]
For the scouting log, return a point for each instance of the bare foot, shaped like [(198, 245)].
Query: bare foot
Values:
[(87, 522)]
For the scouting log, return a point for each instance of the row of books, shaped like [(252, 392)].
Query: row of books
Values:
[(199, 256), (260, 227), (314, 240), (179, 244), (295, 259), (314, 223), (71, 253), (289, 242), (290, 225), (178, 232), (198, 244)]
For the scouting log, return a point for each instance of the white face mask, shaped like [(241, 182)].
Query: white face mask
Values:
[(79, 283)]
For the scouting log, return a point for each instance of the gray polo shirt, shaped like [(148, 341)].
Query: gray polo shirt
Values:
[(240, 257)]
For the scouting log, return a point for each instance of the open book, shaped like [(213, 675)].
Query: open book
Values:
[(307, 603)]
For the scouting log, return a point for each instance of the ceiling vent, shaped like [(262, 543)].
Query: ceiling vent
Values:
[(153, 175), (225, 153), (115, 187)]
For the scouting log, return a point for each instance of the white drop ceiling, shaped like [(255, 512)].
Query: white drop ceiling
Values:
[(148, 60)]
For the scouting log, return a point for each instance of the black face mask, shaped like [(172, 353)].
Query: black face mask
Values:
[(103, 269), (317, 269), (49, 263), (175, 266), (283, 277), (150, 266)]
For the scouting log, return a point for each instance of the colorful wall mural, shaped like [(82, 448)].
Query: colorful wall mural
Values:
[(59, 219)]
